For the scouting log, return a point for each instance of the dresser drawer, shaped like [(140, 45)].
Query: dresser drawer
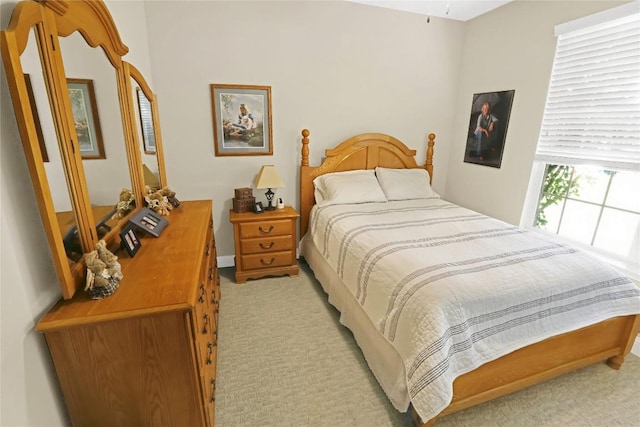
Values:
[(267, 244), (265, 228), (268, 260)]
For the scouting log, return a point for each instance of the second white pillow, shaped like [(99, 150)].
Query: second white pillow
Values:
[(405, 184)]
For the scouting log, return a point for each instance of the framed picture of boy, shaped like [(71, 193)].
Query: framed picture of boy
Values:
[(487, 130)]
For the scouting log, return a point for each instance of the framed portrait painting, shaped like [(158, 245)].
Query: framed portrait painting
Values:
[(487, 129), (241, 120), (86, 119)]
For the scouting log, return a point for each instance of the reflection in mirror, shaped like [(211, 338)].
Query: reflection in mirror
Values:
[(93, 89), (146, 126), (53, 165)]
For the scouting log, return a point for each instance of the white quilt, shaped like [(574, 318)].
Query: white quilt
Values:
[(452, 289)]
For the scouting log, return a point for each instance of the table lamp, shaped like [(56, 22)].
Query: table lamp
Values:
[(268, 178)]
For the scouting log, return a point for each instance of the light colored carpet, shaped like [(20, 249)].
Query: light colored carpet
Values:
[(285, 360)]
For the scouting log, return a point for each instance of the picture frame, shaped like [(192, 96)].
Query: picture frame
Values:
[(242, 120), (258, 208), (36, 118), (485, 145), (146, 122), (129, 240), (149, 221), (86, 118)]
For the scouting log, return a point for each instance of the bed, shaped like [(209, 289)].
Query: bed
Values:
[(450, 308)]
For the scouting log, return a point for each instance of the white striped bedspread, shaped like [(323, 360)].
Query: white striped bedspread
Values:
[(452, 289)]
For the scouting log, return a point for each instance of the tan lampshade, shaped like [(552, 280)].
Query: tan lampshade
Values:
[(268, 177)]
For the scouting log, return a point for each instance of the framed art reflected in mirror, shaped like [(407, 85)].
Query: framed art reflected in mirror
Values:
[(36, 119), (146, 122), (86, 119)]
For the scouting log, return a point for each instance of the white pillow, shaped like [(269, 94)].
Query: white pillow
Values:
[(405, 184), (358, 186)]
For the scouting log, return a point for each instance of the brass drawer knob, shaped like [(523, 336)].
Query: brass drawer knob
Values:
[(210, 349), (213, 391), (202, 293), (206, 324), (263, 262), (266, 232)]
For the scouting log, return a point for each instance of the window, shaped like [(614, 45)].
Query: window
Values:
[(585, 183)]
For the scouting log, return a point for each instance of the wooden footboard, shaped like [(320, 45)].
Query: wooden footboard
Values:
[(610, 340)]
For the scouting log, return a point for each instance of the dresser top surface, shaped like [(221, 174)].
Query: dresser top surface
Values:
[(162, 276)]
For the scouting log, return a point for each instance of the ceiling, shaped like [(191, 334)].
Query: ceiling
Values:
[(460, 10)]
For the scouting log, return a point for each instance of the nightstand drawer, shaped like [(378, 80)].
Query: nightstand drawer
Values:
[(269, 244), (265, 228), (268, 260)]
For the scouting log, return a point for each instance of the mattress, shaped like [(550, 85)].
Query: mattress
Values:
[(432, 290)]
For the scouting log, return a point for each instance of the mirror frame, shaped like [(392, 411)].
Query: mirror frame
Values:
[(52, 19)]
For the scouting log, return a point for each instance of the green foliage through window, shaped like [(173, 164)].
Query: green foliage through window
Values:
[(560, 182)]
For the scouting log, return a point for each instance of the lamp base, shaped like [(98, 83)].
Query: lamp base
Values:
[(269, 195)]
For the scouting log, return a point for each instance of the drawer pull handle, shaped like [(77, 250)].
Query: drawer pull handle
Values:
[(206, 323), (266, 232), (213, 391), (210, 347), (202, 293), (263, 246), (263, 262)]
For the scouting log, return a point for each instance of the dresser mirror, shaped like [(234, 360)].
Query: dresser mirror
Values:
[(52, 160), (95, 106), (147, 136), (76, 106)]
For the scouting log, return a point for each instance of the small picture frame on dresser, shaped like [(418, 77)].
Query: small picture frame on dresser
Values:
[(149, 221), (129, 240), (257, 207)]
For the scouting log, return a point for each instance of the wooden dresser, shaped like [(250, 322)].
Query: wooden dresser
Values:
[(146, 355), (265, 243)]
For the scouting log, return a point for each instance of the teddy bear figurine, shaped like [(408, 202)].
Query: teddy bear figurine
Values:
[(161, 201), (103, 272), (126, 202)]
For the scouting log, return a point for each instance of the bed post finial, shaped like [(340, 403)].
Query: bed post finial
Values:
[(305, 147), (429, 162)]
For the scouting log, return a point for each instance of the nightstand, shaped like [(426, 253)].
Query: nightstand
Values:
[(265, 243)]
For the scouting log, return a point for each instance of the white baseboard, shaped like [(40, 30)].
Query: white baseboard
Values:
[(226, 261), (636, 347)]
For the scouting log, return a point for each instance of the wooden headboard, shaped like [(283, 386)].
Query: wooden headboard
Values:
[(365, 151)]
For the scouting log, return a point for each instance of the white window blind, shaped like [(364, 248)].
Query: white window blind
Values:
[(592, 114)]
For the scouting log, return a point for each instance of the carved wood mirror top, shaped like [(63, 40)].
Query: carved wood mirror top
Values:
[(77, 104)]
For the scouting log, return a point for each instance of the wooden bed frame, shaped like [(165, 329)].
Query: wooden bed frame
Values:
[(610, 340)]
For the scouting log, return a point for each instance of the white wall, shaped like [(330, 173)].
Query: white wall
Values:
[(510, 48), (336, 68), (330, 71)]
